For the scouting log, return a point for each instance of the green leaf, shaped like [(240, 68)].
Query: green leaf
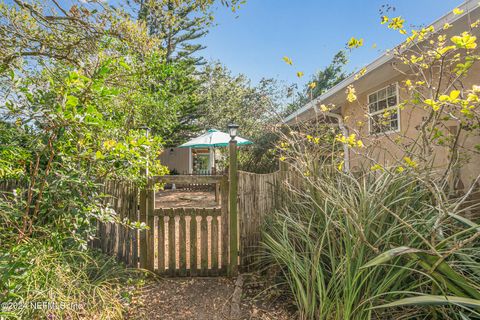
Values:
[(71, 102), (389, 255), (432, 300)]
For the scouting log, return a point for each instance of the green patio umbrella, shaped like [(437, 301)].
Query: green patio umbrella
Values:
[(213, 139)]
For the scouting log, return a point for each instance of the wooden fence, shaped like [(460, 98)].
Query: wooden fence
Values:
[(187, 241), (174, 241), (118, 239), (257, 197)]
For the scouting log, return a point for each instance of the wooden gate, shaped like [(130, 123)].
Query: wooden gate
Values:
[(185, 241)]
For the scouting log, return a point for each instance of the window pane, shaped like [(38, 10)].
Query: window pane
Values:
[(382, 104), (382, 94), (372, 107), (392, 90), (392, 101), (372, 98), (394, 125), (380, 123)]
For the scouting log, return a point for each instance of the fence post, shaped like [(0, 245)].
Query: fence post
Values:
[(232, 270), (150, 199), (143, 232)]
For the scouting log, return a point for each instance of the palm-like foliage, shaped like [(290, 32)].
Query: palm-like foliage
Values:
[(329, 237)]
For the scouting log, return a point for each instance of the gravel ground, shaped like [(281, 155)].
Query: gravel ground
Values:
[(199, 299)]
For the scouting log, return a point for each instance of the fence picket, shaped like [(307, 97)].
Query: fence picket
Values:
[(204, 242), (171, 243), (182, 244), (193, 242), (214, 242), (161, 243)]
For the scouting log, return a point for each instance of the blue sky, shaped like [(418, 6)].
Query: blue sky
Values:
[(310, 32)]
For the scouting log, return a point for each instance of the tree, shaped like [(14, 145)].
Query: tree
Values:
[(226, 98), (321, 81), (180, 23)]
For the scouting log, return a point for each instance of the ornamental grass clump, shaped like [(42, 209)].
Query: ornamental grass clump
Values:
[(385, 245)]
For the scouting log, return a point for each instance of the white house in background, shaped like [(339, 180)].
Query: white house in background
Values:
[(199, 155), (188, 160)]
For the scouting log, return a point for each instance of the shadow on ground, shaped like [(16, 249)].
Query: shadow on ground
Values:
[(196, 298)]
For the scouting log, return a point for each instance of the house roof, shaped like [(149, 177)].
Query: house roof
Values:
[(450, 18)]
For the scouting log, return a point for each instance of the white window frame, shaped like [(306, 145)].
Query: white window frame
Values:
[(395, 107)]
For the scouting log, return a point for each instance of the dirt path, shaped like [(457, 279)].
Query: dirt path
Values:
[(195, 299), (185, 199)]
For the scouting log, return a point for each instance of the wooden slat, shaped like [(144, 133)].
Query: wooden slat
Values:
[(186, 179), (193, 243), (171, 243), (151, 243), (187, 212), (204, 242), (134, 217), (143, 233), (182, 244), (224, 222), (214, 241), (150, 198), (122, 198), (161, 244)]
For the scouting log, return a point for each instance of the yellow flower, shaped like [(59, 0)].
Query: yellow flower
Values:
[(475, 24), (408, 83), (444, 98), (472, 98), (299, 74), (312, 85), (351, 94), (340, 166), (361, 73), (376, 167), (444, 50), (282, 158), (324, 108), (288, 60), (454, 95), (396, 23), (109, 144), (360, 144), (410, 162), (400, 169), (465, 41), (355, 43), (457, 11), (384, 19), (429, 102), (284, 145), (447, 26), (415, 59)]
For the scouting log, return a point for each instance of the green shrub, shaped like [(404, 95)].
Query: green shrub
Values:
[(81, 284), (328, 239)]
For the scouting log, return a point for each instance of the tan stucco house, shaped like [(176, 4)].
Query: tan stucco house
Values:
[(198, 161), (380, 89)]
